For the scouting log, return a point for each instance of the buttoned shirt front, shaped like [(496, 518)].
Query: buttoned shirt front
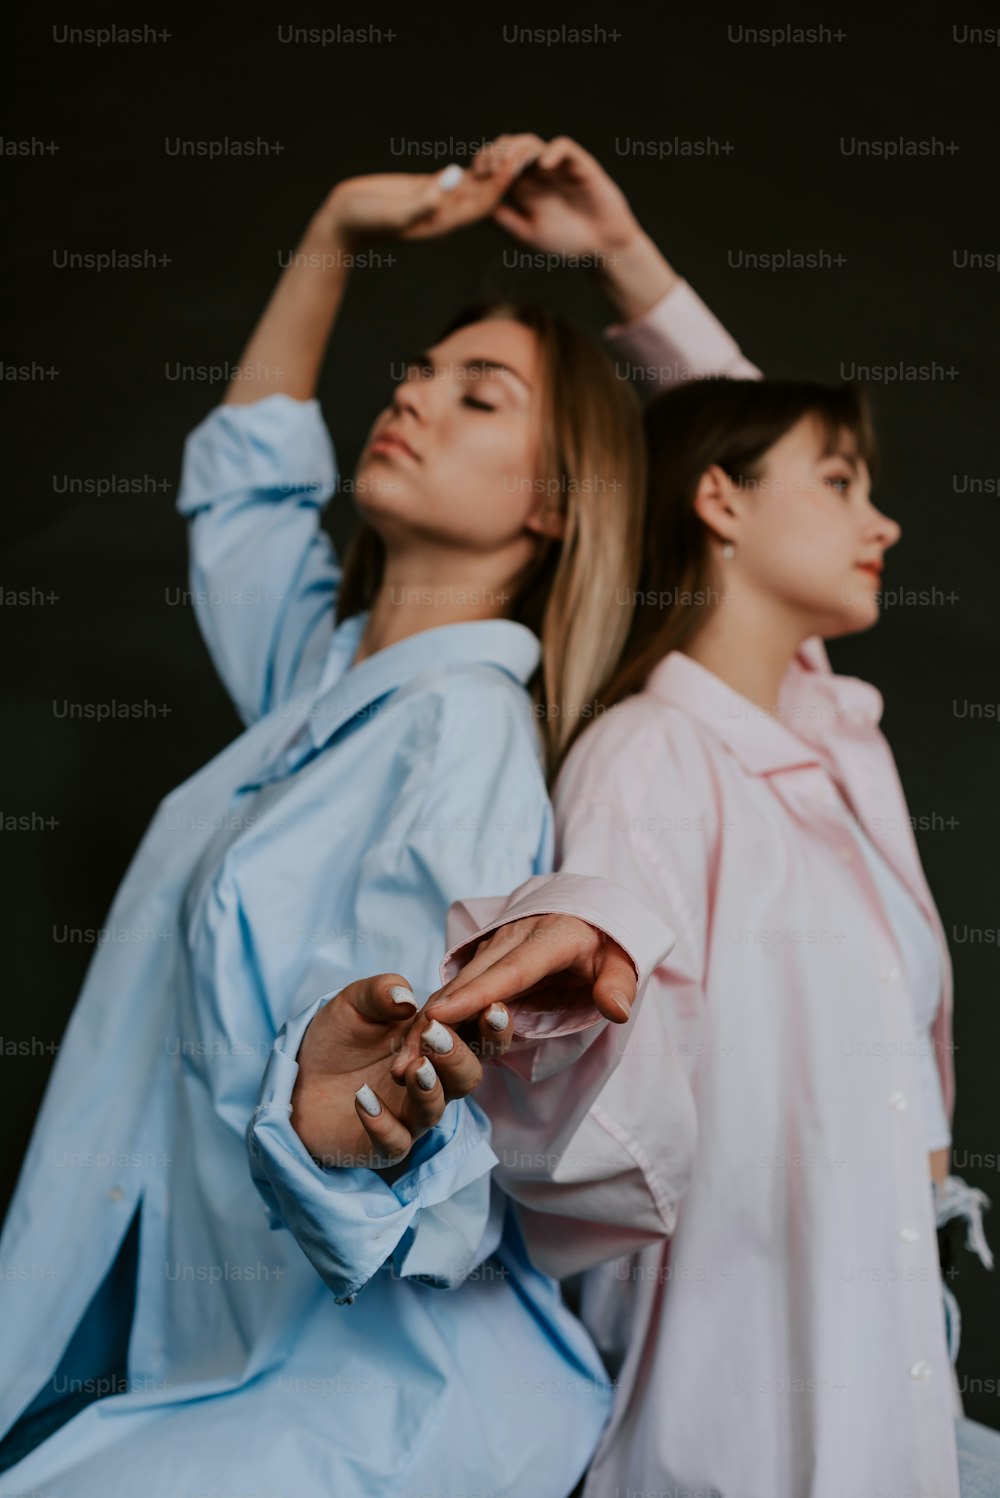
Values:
[(748, 1195)]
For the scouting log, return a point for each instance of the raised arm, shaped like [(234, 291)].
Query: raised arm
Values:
[(260, 469), (566, 205)]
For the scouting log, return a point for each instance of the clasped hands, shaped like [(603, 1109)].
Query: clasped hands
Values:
[(376, 1072)]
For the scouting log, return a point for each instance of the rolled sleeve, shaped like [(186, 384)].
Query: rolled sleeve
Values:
[(349, 1221), (264, 576), (278, 446), (645, 938), (679, 339)]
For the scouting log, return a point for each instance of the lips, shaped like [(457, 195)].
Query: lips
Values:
[(872, 567), (392, 442)]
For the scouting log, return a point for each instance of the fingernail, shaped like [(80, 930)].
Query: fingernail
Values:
[(497, 1017), (449, 179), (368, 1101), (622, 1002), (400, 995), (426, 1075), (437, 1037)]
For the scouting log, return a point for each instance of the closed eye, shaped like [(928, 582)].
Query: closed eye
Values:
[(470, 400)]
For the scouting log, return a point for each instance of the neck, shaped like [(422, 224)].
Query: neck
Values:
[(749, 644), (426, 590)]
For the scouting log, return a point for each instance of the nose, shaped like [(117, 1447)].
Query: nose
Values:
[(411, 396), (883, 529)]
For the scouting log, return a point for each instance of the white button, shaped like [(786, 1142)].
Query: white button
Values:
[(909, 1235), (889, 974), (898, 1100), (116, 1193), (920, 1369), (847, 853)]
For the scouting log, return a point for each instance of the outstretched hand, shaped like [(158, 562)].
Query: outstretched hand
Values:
[(553, 960), (354, 1101)]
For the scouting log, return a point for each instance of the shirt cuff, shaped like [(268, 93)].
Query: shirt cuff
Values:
[(610, 908), (276, 444), (679, 339), (348, 1220)]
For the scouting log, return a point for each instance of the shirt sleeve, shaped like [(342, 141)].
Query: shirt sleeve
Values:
[(678, 339), (476, 811), (263, 573), (595, 1133)]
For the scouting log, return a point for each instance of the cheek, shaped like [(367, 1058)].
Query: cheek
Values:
[(799, 550), (485, 477)]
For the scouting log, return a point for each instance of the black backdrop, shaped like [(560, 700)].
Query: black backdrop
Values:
[(89, 579)]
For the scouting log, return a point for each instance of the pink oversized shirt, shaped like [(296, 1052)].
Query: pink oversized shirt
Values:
[(741, 1170)]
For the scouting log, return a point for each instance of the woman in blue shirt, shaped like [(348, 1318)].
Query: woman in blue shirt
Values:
[(390, 762)]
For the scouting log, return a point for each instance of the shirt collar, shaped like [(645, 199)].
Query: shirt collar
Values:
[(345, 690), (816, 709)]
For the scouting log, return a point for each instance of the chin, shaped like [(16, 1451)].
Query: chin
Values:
[(852, 621), (379, 490)]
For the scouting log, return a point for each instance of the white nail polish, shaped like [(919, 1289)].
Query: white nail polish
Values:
[(426, 1075), (449, 179), (368, 1101), (437, 1037), (400, 995), (497, 1017)]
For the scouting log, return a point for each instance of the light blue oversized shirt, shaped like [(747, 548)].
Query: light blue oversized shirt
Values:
[(293, 1332)]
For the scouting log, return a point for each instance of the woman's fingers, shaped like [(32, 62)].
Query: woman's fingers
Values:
[(616, 982), (386, 998), (537, 948), (496, 1031), (562, 151), (457, 1067), (425, 1100), (390, 1138), (541, 950), (506, 152)]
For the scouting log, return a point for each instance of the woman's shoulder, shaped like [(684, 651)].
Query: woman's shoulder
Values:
[(640, 738)]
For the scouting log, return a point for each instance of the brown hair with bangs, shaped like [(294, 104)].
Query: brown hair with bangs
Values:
[(734, 424)]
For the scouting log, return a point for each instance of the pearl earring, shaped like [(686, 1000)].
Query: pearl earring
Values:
[(729, 550)]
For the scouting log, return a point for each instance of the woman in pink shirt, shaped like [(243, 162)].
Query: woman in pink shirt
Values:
[(743, 1174), (748, 1194)]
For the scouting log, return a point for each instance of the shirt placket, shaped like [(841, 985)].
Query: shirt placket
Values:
[(913, 1230)]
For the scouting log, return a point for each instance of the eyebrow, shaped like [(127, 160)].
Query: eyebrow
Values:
[(424, 361), (851, 459)]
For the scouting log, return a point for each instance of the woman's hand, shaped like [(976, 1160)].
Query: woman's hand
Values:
[(550, 959), (347, 1107), (564, 203), (418, 205)]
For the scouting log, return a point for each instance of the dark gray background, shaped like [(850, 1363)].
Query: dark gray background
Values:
[(111, 633)]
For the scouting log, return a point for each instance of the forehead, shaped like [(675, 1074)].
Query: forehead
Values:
[(496, 338), (811, 441)]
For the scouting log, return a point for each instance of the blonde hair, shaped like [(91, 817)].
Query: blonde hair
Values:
[(577, 593)]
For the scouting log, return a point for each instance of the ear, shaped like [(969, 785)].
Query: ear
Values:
[(548, 521), (716, 503)]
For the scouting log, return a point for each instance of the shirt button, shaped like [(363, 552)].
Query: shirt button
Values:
[(920, 1369), (898, 1100), (889, 974), (847, 853), (116, 1193), (909, 1235)]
